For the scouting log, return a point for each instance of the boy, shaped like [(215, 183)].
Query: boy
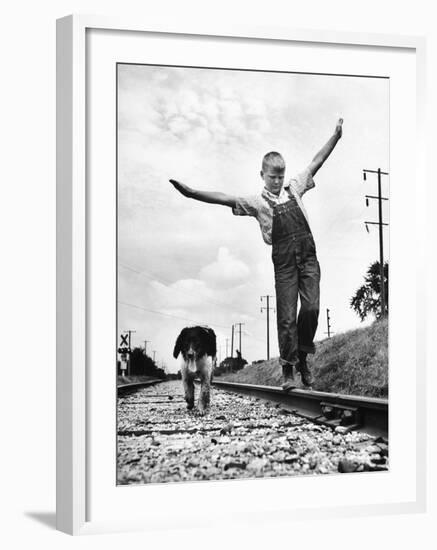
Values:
[(284, 225)]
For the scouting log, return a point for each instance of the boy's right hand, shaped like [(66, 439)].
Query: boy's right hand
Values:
[(182, 188)]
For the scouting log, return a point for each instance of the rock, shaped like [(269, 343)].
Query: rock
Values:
[(372, 449), (341, 429), (226, 429), (377, 459), (383, 449), (239, 465), (290, 459), (346, 466), (257, 464)]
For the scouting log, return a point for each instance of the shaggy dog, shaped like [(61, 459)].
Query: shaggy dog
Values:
[(198, 348)]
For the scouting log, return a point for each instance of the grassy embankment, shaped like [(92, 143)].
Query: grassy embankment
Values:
[(354, 363)]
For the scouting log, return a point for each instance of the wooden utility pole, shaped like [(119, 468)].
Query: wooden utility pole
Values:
[(267, 308), (328, 323), (145, 346), (239, 325), (380, 223)]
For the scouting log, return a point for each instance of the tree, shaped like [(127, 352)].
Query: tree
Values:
[(142, 364), (367, 299)]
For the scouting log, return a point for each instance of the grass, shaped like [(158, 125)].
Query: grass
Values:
[(354, 363)]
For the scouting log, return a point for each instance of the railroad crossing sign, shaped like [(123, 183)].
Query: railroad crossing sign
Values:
[(124, 346)]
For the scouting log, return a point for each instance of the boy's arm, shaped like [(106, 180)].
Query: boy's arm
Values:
[(326, 150), (212, 197)]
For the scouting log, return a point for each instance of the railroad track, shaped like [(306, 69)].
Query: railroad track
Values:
[(345, 412), (243, 436), (123, 389)]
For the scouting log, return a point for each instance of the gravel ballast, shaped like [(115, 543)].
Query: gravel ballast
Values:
[(159, 440)]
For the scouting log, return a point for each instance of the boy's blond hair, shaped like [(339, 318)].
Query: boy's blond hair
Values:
[(273, 160)]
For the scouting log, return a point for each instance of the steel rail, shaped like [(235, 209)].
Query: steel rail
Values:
[(122, 389), (368, 414)]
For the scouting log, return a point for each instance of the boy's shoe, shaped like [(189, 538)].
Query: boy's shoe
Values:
[(305, 372), (288, 377)]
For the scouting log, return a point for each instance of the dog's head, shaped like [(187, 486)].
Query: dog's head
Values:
[(195, 342)]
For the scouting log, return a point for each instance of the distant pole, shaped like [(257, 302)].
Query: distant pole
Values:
[(232, 342), (154, 354), (380, 223), (327, 321), (381, 245), (145, 346), (268, 308), (239, 325)]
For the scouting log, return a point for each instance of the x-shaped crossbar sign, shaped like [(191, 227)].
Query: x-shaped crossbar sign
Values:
[(124, 341)]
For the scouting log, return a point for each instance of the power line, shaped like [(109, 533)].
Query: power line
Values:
[(183, 292), (167, 314), (135, 306)]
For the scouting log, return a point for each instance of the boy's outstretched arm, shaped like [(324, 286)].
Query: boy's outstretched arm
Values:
[(326, 150), (212, 197)]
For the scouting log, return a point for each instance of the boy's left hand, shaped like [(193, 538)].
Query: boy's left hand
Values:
[(339, 128)]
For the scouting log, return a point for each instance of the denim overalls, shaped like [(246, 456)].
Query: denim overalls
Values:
[(297, 273)]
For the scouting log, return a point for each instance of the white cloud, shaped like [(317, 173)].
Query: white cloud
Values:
[(226, 271)]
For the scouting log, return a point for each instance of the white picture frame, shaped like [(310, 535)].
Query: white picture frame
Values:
[(73, 292)]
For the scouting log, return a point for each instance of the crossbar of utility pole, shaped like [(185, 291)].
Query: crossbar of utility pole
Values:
[(380, 223), (374, 172)]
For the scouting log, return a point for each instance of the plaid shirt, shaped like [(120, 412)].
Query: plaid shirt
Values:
[(258, 207)]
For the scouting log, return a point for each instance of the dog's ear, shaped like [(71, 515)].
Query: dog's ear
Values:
[(178, 345), (211, 343)]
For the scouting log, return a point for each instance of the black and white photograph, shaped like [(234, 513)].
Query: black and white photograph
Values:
[(252, 274)]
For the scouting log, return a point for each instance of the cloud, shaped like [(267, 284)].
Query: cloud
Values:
[(226, 271)]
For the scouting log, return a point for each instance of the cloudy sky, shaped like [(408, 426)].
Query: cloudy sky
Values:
[(182, 262)]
